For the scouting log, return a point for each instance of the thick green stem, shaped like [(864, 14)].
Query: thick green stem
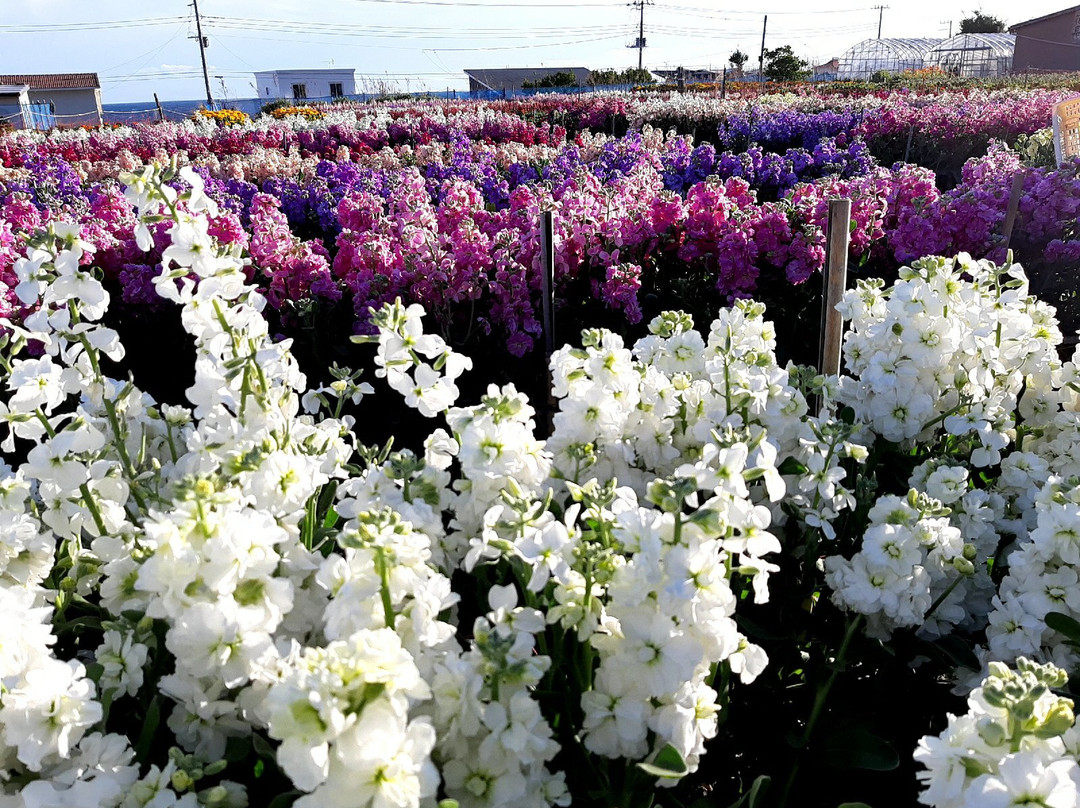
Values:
[(820, 699)]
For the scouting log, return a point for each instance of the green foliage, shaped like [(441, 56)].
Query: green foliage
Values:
[(781, 64), (561, 78), (632, 75), (979, 23), (738, 59)]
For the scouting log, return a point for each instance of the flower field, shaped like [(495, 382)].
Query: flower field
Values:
[(292, 513)]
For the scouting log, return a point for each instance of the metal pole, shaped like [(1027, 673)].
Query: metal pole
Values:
[(836, 257), (202, 54), (547, 277), (761, 56), (641, 36), (160, 113), (547, 293), (723, 85)]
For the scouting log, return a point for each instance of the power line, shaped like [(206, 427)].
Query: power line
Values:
[(62, 27)]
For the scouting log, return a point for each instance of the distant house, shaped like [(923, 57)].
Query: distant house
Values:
[(73, 98), (827, 71), (304, 85), (1050, 42), (510, 79)]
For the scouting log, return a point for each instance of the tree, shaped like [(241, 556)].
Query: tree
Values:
[(738, 59), (781, 64), (979, 23), (610, 76), (562, 78)]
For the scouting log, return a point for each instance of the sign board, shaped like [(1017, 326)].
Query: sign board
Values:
[(1067, 129)]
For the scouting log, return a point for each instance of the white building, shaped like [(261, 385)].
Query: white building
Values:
[(302, 85), (73, 98)]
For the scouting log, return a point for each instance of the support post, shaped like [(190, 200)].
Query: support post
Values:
[(835, 282), (160, 112), (547, 301), (723, 86), (1014, 207), (761, 55)]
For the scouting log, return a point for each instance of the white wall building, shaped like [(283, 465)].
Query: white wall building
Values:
[(301, 85), (73, 98)]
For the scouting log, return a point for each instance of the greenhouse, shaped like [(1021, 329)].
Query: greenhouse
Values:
[(974, 56), (872, 56)]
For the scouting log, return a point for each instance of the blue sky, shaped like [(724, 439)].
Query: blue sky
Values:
[(142, 48)]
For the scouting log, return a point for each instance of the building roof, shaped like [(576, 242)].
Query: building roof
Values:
[(496, 78), (1012, 28), (53, 81), (992, 44), (305, 71)]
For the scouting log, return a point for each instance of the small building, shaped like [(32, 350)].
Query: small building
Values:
[(72, 98), (1050, 42), (692, 75), (510, 79), (306, 85), (974, 56), (828, 71)]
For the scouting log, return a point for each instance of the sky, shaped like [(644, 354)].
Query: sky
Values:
[(142, 48)]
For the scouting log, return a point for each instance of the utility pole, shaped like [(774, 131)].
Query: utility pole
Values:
[(881, 14), (640, 42), (949, 23), (761, 56), (202, 54)]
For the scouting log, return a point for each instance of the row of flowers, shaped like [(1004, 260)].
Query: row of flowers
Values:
[(229, 601), (641, 219), (955, 124)]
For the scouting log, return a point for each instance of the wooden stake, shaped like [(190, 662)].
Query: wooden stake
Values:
[(835, 282), (160, 113), (1014, 206)]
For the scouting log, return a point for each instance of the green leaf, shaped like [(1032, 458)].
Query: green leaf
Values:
[(448, 803), (262, 746), (668, 764), (149, 730), (1063, 624), (853, 805), (236, 749), (791, 466), (959, 652), (753, 798), (859, 749), (284, 800)]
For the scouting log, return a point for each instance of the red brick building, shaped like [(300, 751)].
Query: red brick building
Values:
[(1051, 42)]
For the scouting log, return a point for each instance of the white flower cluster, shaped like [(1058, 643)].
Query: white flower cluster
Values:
[(1016, 745), (1043, 577), (909, 557), (949, 345)]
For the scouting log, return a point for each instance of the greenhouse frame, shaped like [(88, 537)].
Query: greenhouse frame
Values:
[(872, 56), (974, 56)]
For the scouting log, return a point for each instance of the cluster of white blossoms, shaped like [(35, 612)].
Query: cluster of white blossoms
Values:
[(419, 366), (1043, 577), (909, 557), (940, 361), (236, 574), (245, 580), (1016, 745), (947, 347)]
